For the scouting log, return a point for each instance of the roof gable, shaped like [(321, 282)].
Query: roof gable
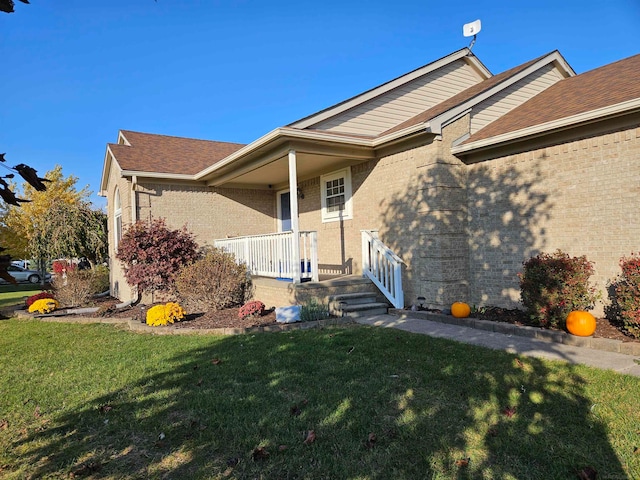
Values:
[(477, 92), (362, 114)]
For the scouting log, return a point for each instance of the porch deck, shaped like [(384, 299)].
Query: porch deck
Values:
[(278, 293)]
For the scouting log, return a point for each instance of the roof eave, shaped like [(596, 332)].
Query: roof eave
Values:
[(543, 128), (399, 135), (158, 175)]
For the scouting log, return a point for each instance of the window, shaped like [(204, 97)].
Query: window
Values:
[(336, 196), (117, 219)]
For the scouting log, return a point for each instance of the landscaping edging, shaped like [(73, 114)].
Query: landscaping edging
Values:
[(137, 326), (604, 344)]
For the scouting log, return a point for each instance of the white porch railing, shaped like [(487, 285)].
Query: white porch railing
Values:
[(383, 267), (272, 254)]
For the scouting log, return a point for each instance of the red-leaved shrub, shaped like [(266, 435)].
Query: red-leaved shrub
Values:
[(153, 254), (62, 266), (552, 285), (38, 296), (254, 308)]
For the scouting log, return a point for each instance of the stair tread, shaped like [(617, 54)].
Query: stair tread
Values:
[(347, 296), (365, 306)]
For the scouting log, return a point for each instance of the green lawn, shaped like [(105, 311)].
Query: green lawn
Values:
[(15, 294), (93, 401)]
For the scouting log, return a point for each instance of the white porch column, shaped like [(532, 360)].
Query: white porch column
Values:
[(295, 228)]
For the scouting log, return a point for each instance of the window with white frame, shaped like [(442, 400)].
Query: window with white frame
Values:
[(117, 219), (336, 195)]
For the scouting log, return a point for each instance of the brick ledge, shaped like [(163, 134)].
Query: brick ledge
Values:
[(136, 326)]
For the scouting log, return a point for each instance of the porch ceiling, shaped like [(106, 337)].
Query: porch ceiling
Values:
[(270, 169), (276, 173)]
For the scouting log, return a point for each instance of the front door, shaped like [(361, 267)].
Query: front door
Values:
[(284, 212)]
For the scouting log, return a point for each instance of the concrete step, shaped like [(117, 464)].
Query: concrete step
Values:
[(352, 298), (364, 309)]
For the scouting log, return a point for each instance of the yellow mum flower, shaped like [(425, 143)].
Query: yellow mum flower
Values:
[(44, 305), (163, 314)]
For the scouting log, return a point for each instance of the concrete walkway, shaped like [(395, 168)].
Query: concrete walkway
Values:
[(532, 347)]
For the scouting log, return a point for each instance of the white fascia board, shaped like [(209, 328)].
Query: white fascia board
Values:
[(106, 166), (418, 128), (440, 121), (386, 87), (562, 123), (169, 176), (121, 136)]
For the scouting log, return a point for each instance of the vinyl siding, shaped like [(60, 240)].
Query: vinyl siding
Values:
[(514, 96), (402, 103)]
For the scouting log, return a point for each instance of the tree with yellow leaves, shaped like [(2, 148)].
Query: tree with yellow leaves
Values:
[(54, 222)]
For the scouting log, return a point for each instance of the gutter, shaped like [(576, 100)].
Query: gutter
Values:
[(140, 173)]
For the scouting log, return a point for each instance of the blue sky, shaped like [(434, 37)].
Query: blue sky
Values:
[(76, 71)]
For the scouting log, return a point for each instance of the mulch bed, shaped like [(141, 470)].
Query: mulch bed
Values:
[(229, 318), (604, 327)]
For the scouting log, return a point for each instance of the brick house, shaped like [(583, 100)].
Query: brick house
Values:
[(436, 184)]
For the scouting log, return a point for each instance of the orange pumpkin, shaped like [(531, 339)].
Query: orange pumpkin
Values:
[(460, 310), (581, 323)]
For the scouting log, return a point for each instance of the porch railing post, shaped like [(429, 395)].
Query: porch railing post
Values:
[(247, 255), (314, 256), (366, 253)]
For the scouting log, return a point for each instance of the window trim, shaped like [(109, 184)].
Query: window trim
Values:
[(347, 213)]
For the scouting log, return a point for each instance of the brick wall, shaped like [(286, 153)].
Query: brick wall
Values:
[(208, 213), (580, 196)]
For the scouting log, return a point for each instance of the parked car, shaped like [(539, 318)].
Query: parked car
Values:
[(25, 275)]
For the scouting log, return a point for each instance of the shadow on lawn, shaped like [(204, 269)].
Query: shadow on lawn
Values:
[(429, 402)]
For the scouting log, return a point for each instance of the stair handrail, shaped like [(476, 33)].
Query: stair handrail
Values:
[(383, 267)]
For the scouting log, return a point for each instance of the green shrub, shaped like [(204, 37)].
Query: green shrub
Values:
[(212, 283), (78, 286), (313, 310), (100, 278), (625, 301), (552, 285)]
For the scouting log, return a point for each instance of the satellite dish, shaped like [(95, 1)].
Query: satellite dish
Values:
[(471, 29)]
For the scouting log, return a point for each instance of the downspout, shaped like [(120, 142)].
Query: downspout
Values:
[(134, 204)]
